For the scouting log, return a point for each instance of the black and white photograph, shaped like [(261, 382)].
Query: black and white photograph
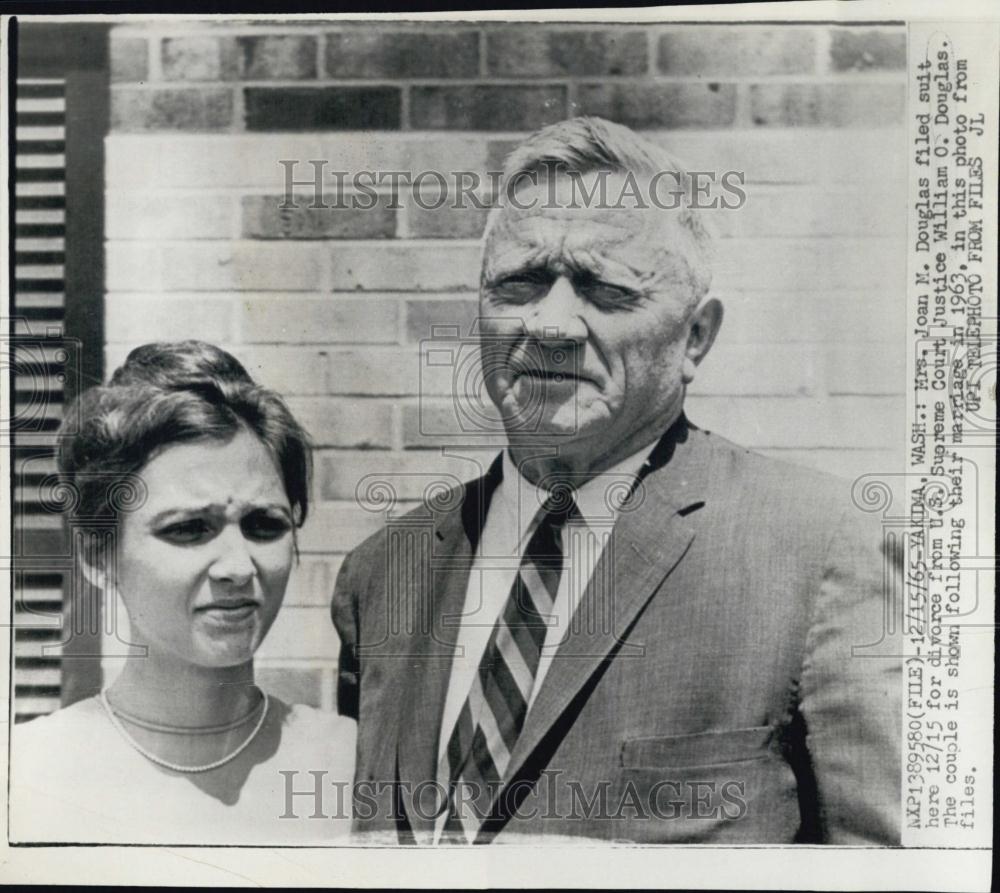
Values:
[(568, 431)]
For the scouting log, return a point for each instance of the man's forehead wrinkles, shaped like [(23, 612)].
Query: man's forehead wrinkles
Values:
[(643, 250), (544, 234), (583, 250), (504, 253), (611, 218)]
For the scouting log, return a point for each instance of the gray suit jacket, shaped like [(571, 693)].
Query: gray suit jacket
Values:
[(733, 675)]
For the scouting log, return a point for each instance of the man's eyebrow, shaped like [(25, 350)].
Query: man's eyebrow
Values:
[(519, 258), (595, 266)]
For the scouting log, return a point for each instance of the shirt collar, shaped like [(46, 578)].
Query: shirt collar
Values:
[(597, 500)]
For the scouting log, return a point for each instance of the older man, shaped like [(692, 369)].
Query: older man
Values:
[(629, 628)]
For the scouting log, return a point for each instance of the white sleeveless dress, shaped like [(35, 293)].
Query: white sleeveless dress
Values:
[(74, 779)]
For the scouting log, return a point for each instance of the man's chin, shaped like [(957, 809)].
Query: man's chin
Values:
[(540, 435), (540, 421)]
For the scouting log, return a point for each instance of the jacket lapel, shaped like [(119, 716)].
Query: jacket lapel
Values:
[(650, 537), (437, 614)]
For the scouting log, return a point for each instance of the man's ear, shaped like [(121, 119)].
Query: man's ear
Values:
[(704, 326)]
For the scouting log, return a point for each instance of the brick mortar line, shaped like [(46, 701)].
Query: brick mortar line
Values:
[(402, 213), (434, 243), (238, 124), (369, 243), (436, 400), (456, 136), (445, 243), (343, 348), (235, 212), (397, 433), (237, 310), (328, 688), (333, 297), (405, 106), (302, 193), (209, 28), (326, 280), (328, 348), (556, 80), (846, 449), (857, 296), (155, 59), (824, 44), (743, 113), (321, 55)]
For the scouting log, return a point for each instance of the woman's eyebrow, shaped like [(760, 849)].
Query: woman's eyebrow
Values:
[(216, 508), (278, 507), (174, 511)]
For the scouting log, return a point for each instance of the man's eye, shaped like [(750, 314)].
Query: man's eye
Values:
[(185, 532), (605, 294), (264, 527), (521, 287)]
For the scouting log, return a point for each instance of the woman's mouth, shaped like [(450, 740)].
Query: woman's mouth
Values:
[(228, 612)]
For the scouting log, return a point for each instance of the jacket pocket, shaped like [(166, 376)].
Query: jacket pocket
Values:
[(700, 749)]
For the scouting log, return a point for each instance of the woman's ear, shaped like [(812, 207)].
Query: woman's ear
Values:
[(94, 561), (705, 324), (94, 574)]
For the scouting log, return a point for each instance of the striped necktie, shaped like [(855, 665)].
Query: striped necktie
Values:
[(492, 716)]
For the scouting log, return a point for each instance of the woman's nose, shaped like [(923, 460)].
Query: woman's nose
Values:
[(233, 564)]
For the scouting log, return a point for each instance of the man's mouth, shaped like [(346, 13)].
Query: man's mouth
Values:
[(557, 376)]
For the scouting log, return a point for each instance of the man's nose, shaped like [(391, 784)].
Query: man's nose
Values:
[(233, 563), (557, 315)]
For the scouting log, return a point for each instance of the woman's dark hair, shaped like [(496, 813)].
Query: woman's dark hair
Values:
[(170, 393)]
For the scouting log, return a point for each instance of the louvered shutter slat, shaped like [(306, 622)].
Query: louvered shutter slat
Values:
[(39, 302)]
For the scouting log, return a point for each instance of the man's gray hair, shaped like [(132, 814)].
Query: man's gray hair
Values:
[(586, 144)]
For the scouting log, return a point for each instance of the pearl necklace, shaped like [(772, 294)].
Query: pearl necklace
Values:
[(153, 758), (192, 731)]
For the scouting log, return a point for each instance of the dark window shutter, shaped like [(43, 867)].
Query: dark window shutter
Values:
[(38, 354), (59, 117)]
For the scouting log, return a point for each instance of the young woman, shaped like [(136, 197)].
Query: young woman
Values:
[(204, 477)]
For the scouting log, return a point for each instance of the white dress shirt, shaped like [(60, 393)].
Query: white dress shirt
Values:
[(508, 526)]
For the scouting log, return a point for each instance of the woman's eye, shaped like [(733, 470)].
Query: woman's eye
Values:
[(192, 531), (265, 527)]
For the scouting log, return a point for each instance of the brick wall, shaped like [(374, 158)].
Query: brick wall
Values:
[(330, 307)]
